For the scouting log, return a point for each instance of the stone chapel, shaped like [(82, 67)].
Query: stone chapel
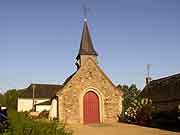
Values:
[(88, 95)]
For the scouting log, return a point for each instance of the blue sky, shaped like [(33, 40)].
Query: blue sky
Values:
[(39, 39)]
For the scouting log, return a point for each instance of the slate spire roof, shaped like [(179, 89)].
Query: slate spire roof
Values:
[(86, 45)]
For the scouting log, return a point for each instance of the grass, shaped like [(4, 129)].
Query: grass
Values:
[(20, 125)]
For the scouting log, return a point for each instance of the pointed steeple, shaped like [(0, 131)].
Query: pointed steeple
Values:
[(86, 45)]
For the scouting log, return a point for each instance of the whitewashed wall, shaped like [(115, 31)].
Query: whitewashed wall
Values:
[(53, 109), (40, 108), (26, 104)]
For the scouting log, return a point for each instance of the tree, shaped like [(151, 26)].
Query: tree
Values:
[(9, 98), (129, 95), (2, 100)]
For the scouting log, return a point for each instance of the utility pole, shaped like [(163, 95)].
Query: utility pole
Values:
[(33, 87)]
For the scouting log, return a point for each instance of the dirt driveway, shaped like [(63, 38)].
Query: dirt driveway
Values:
[(117, 129)]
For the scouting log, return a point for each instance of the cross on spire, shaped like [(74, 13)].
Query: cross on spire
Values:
[(85, 11)]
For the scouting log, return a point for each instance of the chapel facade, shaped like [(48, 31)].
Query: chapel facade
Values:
[(88, 95)]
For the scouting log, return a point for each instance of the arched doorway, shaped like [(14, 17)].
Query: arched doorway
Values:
[(91, 112)]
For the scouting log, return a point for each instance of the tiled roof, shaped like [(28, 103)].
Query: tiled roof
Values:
[(41, 91), (163, 89)]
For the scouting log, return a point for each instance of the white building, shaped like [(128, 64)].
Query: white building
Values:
[(40, 94)]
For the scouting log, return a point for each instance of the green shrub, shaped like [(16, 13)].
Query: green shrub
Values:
[(178, 112), (20, 125), (140, 111), (179, 109)]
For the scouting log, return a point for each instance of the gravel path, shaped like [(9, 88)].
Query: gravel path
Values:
[(117, 129)]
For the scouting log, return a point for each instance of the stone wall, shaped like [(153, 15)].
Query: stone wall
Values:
[(83, 58), (89, 77)]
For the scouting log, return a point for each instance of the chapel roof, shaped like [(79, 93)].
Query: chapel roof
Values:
[(41, 91), (69, 78), (86, 45)]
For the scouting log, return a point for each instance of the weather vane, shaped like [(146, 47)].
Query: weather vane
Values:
[(85, 11)]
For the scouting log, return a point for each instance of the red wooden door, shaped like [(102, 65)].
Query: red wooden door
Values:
[(91, 108)]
